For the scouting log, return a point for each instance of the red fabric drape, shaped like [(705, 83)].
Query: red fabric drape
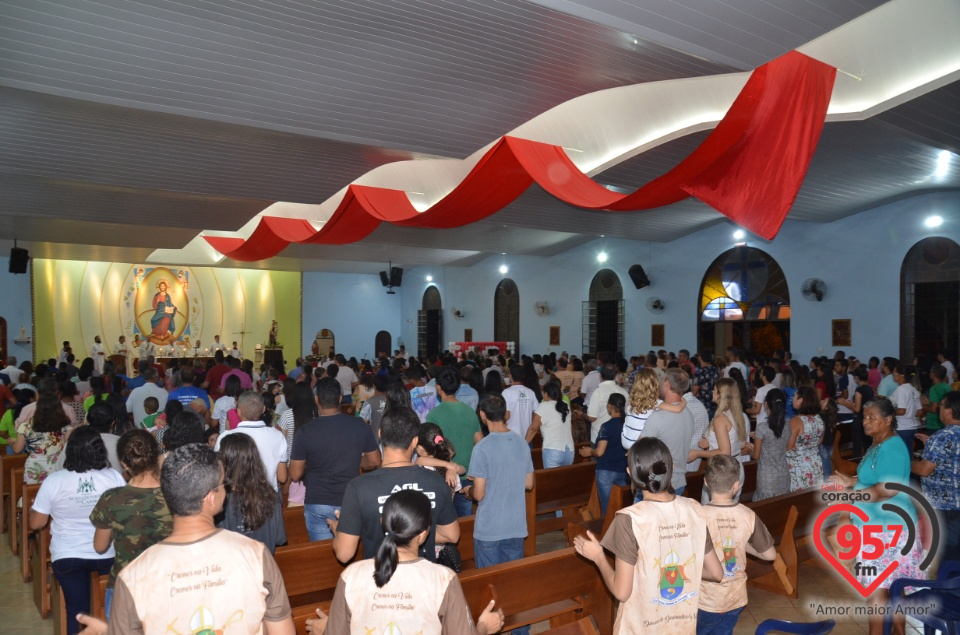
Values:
[(749, 168)]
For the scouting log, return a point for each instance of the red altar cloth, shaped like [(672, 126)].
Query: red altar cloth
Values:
[(484, 346)]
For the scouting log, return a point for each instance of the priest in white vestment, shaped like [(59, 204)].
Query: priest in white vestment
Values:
[(99, 354)]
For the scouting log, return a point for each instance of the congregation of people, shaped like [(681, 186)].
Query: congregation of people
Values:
[(179, 471)]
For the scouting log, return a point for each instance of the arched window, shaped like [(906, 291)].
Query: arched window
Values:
[(430, 323), (603, 314), (744, 302), (382, 343), (930, 299), (506, 313)]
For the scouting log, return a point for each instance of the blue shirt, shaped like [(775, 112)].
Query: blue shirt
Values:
[(466, 394), (942, 487), (136, 382), (296, 372), (503, 459), (186, 394), (885, 463), (614, 458)]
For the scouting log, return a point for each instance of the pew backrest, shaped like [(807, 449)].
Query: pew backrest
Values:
[(295, 525)]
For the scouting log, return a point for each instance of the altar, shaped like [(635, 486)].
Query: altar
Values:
[(483, 347)]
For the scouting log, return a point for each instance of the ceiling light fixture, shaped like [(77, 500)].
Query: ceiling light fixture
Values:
[(504, 269), (602, 257), (943, 164), (739, 234), (429, 278), (933, 221)]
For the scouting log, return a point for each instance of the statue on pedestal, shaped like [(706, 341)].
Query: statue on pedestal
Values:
[(274, 328)]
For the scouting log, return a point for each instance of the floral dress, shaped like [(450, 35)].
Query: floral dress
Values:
[(806, 469), (43, 449)]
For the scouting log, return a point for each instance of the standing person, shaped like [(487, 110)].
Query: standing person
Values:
[(43, 434), (359, 518), (803, 446), (674, 428), (521, 402), (327, 454), (930, 403), (102, 418), (185, 391), (270, 442), (770, 447), (423, 397), (727, 433), (552, 420), (239, 578), (225, 408), (704, 379), (69, 495), (610, 455), (124, 351), (647, 578), (347, 378), (235, 352), (940, 472), (502, 471), (701, 421), (253, 506), (139, 395), (432, 591), (460, 426), (591, 380), (888, 384), (66, 350), (99, 355), (862, 394), (943, 358), (767, 375), (887, 461), (733, 361), (643, 399), (906, 399), (134, 516), (597, 410), (736, 531), (372, 411), (466, 393)]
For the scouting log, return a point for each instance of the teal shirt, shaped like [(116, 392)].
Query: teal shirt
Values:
[(885, 463)]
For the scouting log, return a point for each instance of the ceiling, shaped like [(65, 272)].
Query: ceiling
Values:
[(131, 126)]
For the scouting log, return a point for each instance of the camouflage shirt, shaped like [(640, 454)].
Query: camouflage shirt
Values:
[(139, 519)]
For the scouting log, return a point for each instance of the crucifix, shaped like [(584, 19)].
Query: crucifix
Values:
[(241, 333)]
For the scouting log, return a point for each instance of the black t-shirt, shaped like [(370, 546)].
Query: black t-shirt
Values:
[(365, 496), (272, 533), (866, 394), (332, 447)]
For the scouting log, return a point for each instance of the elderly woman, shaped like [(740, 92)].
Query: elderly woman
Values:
[(887, 461)]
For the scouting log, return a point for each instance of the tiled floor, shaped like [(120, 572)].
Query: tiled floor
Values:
[(817, 587)]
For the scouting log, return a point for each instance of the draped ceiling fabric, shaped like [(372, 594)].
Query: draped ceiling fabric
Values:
[(749, 168)]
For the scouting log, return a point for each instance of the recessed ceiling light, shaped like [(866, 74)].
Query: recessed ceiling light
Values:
[(602, 257), (739, 234), (504, 269), (429, 278), (933, 221)]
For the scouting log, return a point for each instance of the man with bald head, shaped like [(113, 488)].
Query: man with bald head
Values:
[(270, 441)]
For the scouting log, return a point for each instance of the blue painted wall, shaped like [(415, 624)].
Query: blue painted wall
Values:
[(16, 309)]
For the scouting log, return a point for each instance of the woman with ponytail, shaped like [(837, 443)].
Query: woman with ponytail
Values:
[(770, 448), (432, 599), (552, 420), (661, 543)]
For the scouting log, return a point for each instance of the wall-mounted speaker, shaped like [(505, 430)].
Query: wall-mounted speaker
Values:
[(396, 276), (638, 276), (384, 279), (19, 258)]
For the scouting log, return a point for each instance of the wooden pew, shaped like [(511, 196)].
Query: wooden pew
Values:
[(564, 489), (295, 525), (620, 497), (465, 546), (8, 463), (16, 491), (42, 572), (560, 587), (840, 464), (25, 533)]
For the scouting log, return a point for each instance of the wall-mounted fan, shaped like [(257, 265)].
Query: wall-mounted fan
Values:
[(457, 313), (655, 305), (541, 308), (814, 289)]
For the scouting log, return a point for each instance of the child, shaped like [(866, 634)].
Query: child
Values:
[(611, 457), (661, 543), (736, 531), (210, 436), (150, 406), (434, 452), (501, 469)]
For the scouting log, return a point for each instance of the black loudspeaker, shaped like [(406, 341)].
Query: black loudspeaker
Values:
[(384, 280), (396, 276), (19, 258), (639, 277)]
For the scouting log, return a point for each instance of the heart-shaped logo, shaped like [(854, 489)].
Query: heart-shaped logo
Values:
[(826, 553)]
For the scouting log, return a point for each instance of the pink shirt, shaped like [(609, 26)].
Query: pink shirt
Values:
[(245, 382)]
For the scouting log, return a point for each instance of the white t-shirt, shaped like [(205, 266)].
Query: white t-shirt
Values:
[(557, 434), (69, 497), (139, 395), (741, 366), (270, 443), (347, 378), (950, 368), (759, 398), (221, 407), (521, 404), (590, 383), (907, 397)]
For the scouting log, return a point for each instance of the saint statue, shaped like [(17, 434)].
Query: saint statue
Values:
[(274, 328)]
